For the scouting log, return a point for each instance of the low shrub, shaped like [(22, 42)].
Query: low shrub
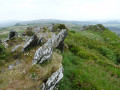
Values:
[(59, 26), (29, 31), (108, 53), (72, 31), (2, 48)]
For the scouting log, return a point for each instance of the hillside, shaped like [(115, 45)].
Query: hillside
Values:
[(90, 58), (92, 61)]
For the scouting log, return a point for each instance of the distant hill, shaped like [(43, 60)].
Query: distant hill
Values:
[(76, 25), (44, 21)]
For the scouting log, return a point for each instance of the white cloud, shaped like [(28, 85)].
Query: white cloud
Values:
[(59, 9)]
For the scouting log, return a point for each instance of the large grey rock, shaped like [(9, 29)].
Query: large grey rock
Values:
[(42, 54), (59, 38), (53, 80), (45, 52), (12, 34), (15, 48), (31, 43)]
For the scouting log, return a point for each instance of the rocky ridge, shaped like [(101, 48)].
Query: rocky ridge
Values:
[(46, 41)]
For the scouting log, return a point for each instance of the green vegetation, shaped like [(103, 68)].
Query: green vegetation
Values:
[(59, 26), (29, 31), (2, 36), (92, 61), (2, 52)]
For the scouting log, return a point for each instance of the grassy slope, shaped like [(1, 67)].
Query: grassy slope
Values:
[(92, 61)]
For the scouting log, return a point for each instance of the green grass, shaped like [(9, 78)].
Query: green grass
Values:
[(92, 61), (3, 36), (88, 74)]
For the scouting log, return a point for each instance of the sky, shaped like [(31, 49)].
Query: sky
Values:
[(79, 10)]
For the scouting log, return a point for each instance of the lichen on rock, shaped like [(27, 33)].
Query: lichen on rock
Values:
[(45, 52), (53, 80)]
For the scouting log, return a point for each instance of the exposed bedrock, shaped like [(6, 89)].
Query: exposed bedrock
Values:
[(32, 42), (45, 52), (53, 80)]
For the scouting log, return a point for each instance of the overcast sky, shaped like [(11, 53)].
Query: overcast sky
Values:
[(59, 9)]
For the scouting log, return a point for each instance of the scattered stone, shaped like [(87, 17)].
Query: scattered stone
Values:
[(6, 40), (15, 48), (32, 42), (12, 34), (11, 66), (23, 34), (53, 80), (18, 62)]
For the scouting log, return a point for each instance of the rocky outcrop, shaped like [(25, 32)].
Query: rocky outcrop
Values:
[(45, 52), (53, 80), (32, 42), (94, 27), (59, 38), (12, 34), (32, 38)]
